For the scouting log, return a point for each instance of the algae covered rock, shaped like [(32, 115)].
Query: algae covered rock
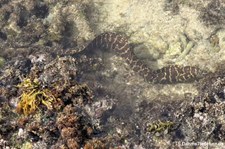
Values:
[(2, 61)]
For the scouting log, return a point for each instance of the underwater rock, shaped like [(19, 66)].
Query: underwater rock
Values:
[(214, 13), (203, 119)]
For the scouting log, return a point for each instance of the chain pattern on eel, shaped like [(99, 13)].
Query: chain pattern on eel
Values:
[(118, 44)]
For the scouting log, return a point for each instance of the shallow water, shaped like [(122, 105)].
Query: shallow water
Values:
[(42, 47)]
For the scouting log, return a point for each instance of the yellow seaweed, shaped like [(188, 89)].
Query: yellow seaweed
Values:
[(33, 96)]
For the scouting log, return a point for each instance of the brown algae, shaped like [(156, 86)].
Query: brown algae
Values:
[(33, 97)]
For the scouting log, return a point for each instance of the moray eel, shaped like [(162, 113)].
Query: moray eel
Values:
[(118, 44)]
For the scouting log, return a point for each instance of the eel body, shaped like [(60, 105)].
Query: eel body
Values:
[(118, 44)]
